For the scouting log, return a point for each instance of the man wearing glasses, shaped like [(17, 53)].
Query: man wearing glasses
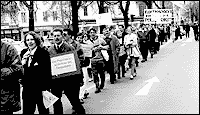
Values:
[(69, 84)]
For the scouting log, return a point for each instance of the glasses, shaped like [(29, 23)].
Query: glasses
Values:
[(64, 34)]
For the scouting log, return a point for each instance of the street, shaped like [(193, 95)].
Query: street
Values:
[(176, 67)]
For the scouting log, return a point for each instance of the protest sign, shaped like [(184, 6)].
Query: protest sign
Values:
[(104, 19), (49, 99), (87, 49), (65, 64), (159, 16)]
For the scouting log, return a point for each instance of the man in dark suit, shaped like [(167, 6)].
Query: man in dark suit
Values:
[(187, 30), (70, 84), (142, 38), (37, 74)]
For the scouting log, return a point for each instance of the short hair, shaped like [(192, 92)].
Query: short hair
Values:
[(121, 26), (92, 29), (69, 31), (58, 30), (36, 37)]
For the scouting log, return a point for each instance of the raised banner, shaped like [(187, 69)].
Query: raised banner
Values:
[(158, 16), (65, 64), (104, 19)]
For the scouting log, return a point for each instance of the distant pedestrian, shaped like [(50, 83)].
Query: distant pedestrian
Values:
[(195, 29), (11, 72), (187, 30), (143, 42)]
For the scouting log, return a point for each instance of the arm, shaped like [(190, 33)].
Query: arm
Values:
[(14, 67)]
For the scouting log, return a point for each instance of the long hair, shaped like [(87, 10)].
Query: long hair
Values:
[(36, 37)]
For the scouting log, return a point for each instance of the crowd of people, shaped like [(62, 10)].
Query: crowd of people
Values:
[(115, 52)]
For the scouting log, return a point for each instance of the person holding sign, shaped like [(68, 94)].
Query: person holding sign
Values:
[(70, 84), (37, 74)]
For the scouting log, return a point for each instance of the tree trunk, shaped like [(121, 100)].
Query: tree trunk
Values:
[(101, 10), (31, 17), (126, 19), (163, 4), (75, 18)]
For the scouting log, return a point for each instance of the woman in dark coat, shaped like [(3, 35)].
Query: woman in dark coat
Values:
[(37, 74), (11, 71)]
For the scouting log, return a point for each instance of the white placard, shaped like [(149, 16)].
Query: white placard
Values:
[(49, 99), (63, 64), (159, 16), (87, 49), (104, 19)]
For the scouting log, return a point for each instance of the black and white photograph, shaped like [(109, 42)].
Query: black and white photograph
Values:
[(100, 57)]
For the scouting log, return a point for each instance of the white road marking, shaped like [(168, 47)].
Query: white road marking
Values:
[(147, 87)]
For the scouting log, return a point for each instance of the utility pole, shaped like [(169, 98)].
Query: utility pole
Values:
[(61, 8)]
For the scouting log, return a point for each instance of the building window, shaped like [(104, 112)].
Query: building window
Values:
[(55, 15), (45, 16), (35, 16), (85, 11), (23, 15), (142, 6)]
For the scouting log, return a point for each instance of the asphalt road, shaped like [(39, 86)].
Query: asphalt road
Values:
[(177, 68)]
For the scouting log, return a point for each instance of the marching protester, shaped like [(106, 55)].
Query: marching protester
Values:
[(37, 74), (97, 61), (131, 44), (177, 32), (113, 48), (122, 55), (173, 29), (196, 30), (87, 41), (122, 29), (143, 42), (187, 30), (168, 31), (11, 72), (161, 35), (152, 36), (70, 84)]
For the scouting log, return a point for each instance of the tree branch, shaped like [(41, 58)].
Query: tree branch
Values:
[(127, 6), (6, 3), (156, 4), (26, 4)]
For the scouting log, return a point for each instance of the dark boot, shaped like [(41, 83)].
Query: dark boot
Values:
[(97, 88)]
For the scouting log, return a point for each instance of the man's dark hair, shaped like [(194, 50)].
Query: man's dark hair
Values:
[(122, 26), (91, 30), (69, 31), (58, 30)]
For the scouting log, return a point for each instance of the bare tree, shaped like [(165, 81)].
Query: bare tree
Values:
[(125, 12), (9, 8)]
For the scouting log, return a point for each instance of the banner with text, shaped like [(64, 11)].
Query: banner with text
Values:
[(65, 64), (158, 16)]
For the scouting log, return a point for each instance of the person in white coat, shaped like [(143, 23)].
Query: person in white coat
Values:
[(131, 43)]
